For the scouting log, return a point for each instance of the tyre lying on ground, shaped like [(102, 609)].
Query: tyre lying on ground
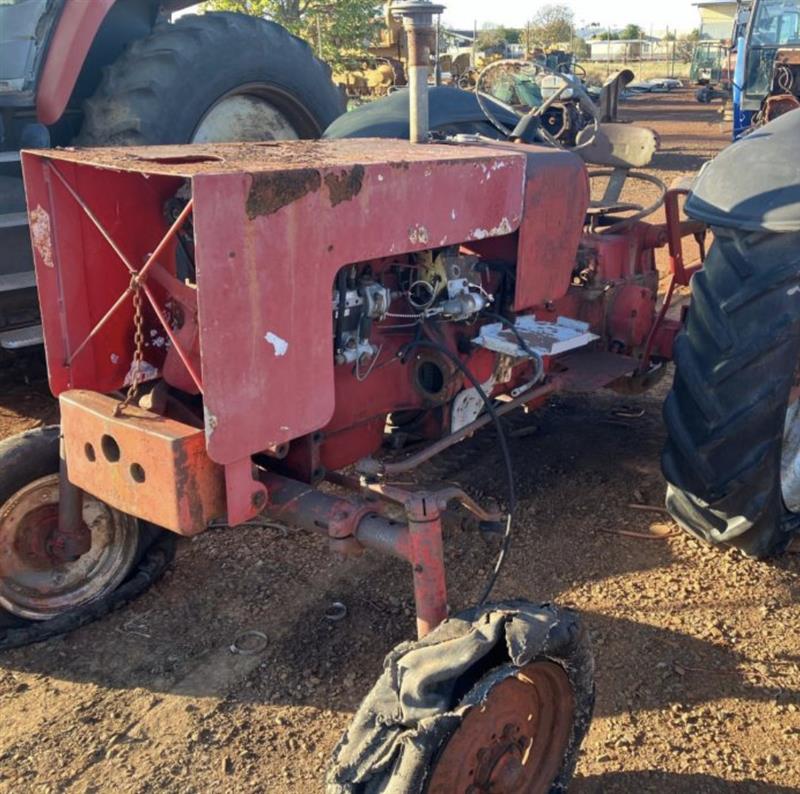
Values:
[(732, 459)]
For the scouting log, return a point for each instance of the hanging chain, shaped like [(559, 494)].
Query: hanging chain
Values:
[(138, 343)]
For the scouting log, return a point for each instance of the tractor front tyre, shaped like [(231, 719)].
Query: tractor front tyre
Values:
[(42, 594), (212, 78), (498, 698), (732, 459)]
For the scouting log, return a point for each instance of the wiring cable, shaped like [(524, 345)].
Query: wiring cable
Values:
[(430, 344)]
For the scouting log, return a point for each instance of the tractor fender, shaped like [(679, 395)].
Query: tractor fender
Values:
[(451, 111), (753, 184), (89, 35), (69, 46)]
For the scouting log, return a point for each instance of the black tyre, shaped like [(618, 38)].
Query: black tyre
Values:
[(212, 77), (732, 460), (498, 698), (40, 594)]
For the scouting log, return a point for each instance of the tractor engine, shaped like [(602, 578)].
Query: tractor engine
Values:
[(295, 304)]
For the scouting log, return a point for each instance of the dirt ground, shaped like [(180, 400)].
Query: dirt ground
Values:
[(697, 651)]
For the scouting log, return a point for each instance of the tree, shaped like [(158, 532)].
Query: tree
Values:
[(550, 25), (580, 48), (686, 45), (631, 33), (491, 37), (339, 30)]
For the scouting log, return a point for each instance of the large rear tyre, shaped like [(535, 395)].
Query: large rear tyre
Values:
[(497, 699), (732, 459), (41, 593), (212, 77)]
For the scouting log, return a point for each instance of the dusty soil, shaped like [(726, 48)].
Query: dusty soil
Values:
[(698, 651)]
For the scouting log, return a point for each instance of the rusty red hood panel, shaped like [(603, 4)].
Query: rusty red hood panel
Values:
[(273, 224)]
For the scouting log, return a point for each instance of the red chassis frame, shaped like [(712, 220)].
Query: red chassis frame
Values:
[(249, 344)]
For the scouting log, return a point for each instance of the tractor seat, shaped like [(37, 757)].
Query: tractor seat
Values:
[(619, 146)]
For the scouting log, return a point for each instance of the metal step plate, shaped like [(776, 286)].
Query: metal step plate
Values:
[(543, 338), (21, 338), (9, 157), (11, 281)]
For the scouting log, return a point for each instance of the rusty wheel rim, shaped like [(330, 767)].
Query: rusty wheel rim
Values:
[(36, 586), (513, 742)]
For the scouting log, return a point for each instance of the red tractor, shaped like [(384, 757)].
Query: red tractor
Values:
[(233, 330)]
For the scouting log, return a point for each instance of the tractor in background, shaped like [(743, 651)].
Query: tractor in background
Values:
[(767, 77), (712, 71), (118, 72)]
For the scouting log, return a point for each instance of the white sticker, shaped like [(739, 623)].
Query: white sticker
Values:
[(280, 345)]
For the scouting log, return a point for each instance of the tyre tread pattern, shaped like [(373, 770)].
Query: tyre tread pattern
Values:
[(735, 363), (129, 107)]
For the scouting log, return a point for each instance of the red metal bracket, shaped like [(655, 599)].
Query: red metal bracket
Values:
[(681, 274), (138, 277), (245, 497), (676, 231)]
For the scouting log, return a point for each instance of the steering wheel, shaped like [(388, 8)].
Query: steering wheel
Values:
[(579, 70), (610, 203), (534, 116)]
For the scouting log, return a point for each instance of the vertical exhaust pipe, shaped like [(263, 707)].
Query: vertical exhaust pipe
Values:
[(417, 16)]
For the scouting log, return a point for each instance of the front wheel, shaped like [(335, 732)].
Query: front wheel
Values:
[(497, 699), (41, 592), (732, 459)]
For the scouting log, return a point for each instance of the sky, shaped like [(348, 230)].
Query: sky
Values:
[(655, 16)]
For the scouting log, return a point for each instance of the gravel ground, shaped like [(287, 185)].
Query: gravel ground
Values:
[(698, 651)]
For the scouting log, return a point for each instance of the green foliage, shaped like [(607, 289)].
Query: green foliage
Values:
[(580, 48), (631, 33), (492, 36), (338, 30), (686, 45), (551, 24)]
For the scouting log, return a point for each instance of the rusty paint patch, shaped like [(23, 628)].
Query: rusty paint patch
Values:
[(270, 192), (345, 185), (400, 165), (418, 234), (40, 235)]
